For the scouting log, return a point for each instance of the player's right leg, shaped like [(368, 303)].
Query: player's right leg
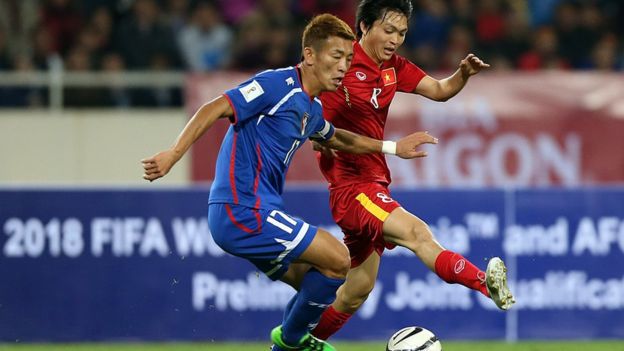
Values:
[(405, 229)]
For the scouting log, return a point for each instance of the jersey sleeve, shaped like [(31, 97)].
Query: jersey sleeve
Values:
[(409, 75), (323, 130), (251, 98)]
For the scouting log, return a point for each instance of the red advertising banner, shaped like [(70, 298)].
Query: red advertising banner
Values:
[(542, 129)]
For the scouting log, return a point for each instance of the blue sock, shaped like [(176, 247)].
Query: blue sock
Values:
[(289, 307), (316, 293)]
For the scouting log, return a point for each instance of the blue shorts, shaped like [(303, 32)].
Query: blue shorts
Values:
[(270, 239)]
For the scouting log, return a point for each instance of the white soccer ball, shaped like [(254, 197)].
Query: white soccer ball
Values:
[(414, 339)]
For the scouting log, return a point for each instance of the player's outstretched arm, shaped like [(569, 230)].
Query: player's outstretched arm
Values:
[(346, 141), (444, 89), (158, 165)]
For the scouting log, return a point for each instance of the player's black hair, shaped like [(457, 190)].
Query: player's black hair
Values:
[(369, 11)]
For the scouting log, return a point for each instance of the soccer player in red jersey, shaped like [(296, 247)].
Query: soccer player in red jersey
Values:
[(359, 197)]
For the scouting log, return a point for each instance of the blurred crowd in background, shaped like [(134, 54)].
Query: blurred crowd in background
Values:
[(251, 35)]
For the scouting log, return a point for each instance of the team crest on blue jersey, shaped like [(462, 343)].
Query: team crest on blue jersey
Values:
[(304, 122)]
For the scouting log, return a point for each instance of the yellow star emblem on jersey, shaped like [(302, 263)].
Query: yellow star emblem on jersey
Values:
[(388, 76)]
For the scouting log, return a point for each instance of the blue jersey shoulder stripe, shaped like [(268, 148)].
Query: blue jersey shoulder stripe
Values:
[(283, 100), (275, 70)]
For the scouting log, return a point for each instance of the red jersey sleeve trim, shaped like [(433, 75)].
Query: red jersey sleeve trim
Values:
[(233, 169), (234, 118)]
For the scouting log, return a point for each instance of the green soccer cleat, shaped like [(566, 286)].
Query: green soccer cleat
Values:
[(307, 342), (496, 284)]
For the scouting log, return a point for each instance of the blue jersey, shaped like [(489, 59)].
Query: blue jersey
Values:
[(273, 117)]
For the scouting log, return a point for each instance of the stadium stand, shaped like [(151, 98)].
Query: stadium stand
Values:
[(249, 35)]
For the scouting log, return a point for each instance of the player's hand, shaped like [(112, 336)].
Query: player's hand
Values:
[(326, 151), (472, 65), (406, 147), (158, 165)]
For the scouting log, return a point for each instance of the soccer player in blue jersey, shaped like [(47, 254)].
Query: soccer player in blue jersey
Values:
[(272, 114)]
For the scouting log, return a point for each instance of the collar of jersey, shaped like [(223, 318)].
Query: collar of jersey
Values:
[(298, 71), (367, 60)]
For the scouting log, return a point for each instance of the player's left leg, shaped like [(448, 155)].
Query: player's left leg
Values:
[(292, 277), (272, 240), (329, 262), (405, 229)]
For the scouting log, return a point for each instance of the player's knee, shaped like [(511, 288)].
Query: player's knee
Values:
[(344, 263), (341, 262)]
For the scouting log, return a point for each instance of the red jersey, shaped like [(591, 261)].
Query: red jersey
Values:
[(361, 106)]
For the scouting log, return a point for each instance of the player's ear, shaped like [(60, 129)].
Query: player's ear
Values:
[(363, 28), (308, 56)]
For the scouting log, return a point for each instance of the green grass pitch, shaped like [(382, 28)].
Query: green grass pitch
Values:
[(340, 346)]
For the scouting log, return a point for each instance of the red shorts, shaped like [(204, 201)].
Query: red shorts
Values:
[(360, 210)]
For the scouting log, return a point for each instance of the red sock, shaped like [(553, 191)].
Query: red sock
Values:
[(454, 268), (331, 321)]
